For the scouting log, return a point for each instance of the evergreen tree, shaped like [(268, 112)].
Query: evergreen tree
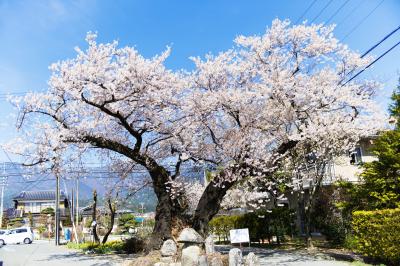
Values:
[(394, 108), (381, 187), (381, 178)]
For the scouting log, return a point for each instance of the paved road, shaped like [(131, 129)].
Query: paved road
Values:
[(288, 258), (43, 253)]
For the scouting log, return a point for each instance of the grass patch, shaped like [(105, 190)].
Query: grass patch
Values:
[(127, 246), (115, 246)]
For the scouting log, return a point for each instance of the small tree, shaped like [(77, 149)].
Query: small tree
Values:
[(94, 218), (48, 210), (127, 221)]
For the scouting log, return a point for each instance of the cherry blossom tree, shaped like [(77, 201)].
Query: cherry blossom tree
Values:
[(110, 100), (271, 94), (241, 112)]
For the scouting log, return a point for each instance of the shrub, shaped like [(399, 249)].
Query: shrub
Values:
[(48, 210), (262, 224), (127, 221), (377, 234), (131, 245), (16, 222), (41, 229)]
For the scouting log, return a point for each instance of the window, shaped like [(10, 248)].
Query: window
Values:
[(22, 230)]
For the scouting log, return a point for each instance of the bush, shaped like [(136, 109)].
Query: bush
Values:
[(127, 221), (16, 222), (262, 225), (48, 210), (377, 234), (131, 245)]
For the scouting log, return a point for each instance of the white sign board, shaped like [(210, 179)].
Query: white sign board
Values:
[(239, 235)]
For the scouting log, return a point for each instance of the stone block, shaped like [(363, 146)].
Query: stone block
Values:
[(235, 257)]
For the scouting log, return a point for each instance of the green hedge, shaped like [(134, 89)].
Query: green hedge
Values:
[(377, 234), (262, 225)]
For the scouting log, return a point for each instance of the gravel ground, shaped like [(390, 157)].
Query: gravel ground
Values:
[(288, 257)]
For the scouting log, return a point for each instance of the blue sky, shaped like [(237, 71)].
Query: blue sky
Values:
[(34, 34)]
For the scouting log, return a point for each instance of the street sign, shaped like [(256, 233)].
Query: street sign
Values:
[(239, 236)]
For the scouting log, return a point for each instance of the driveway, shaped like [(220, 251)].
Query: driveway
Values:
[(43, 253)]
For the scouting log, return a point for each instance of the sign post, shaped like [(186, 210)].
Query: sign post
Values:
[(239, 236)]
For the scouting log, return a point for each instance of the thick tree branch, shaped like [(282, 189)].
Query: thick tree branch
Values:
[(120, 118)]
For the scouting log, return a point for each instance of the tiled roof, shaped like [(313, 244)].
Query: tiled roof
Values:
[(39, 195)]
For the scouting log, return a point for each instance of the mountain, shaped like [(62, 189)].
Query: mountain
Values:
[(28, 179)]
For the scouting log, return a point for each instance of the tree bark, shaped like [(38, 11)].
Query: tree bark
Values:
[(209, 205), (112, 208), (307, 217), (94, 227), (169, 219)]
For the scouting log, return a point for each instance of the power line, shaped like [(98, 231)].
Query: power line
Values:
[(305, 12), (322, 10), (362, 21), (13, 164), (381, 41), (371, 49), (373, 62), (350, 13), (336, 12)]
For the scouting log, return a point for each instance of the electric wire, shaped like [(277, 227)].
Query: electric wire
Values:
[(362, 20), (371, 49), (381, 41), (305, 12), (336, 12), (373, 62), (350, 13), (320, 12)]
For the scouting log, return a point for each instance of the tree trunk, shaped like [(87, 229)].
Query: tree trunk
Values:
[(308, 226), (209, 205), (169, 219), (112, 208), (94, 222)]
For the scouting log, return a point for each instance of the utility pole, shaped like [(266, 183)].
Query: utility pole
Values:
[(72, 206), (77, 201), (142, 208), (3, 183), (57, 211)]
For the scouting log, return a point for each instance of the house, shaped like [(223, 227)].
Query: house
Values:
[(35, 202), (346, 167)]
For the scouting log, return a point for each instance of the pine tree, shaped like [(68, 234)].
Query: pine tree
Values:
[(394, 108), (381, 178), (381, 187)]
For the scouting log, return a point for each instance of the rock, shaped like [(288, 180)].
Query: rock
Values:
[(191, 256), (161, 264), (148, 260), (251, 260), (203, 260), (235, 257), (167, 260), (169, 248), (189, 235), (216, 261), (209, 244)]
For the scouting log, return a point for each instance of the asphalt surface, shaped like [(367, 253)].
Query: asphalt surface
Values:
[(43, 253)]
